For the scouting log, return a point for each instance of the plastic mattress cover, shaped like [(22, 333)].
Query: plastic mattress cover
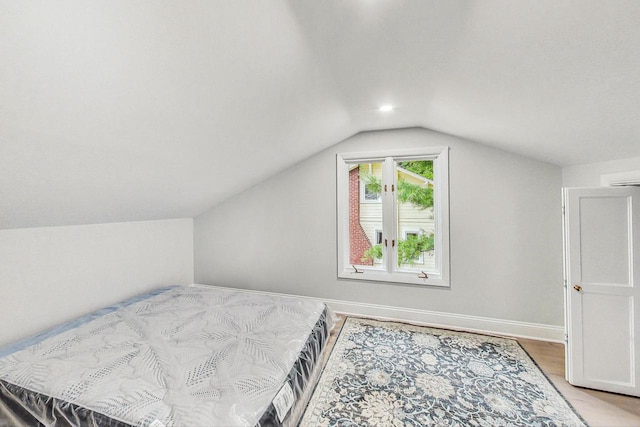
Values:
[(179, 356)]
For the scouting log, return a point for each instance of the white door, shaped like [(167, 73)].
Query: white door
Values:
[(602, 265)]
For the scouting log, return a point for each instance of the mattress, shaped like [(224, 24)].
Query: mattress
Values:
[(178, 356)]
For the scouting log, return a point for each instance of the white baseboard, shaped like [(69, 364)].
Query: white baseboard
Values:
[(485, 325)]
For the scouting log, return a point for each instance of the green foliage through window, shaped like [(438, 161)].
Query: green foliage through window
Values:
[(409, 250), (418, 196), (373, 183), (421, 167), (374, 252)]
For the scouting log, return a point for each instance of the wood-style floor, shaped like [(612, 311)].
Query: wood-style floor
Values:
[(597, 408)]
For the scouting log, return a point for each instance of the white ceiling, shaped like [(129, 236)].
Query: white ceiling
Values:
[(135, 110)]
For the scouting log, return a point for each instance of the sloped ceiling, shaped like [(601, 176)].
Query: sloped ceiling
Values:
[(136, 110)]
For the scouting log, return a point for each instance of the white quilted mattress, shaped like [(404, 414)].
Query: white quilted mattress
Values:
[(189, 356)]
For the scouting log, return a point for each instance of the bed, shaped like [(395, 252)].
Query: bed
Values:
[(177, 356)]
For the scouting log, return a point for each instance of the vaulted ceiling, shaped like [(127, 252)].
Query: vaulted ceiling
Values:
[(135, 110)]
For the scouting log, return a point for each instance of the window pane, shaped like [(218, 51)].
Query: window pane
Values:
[(365, 214), (415, 215)]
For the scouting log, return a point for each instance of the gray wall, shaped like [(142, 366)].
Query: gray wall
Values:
[(53, 274), (588, 175), (506, 247)]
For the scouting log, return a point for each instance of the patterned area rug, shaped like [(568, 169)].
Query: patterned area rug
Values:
[(393, 374)]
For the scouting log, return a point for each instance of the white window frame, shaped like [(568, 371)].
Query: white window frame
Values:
[(390, 271)]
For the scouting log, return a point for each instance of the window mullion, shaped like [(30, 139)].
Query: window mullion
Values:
[(389, 231)]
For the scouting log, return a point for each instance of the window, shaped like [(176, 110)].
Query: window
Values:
[(393, 221)]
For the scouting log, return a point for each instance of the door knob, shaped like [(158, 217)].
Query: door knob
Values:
[(577, 288)]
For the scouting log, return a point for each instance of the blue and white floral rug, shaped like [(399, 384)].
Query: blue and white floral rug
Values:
[(394, 374)]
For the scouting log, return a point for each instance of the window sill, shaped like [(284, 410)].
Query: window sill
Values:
[(400, 278)]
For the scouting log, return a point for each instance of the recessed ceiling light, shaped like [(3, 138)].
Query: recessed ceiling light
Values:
[(386, 108)]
